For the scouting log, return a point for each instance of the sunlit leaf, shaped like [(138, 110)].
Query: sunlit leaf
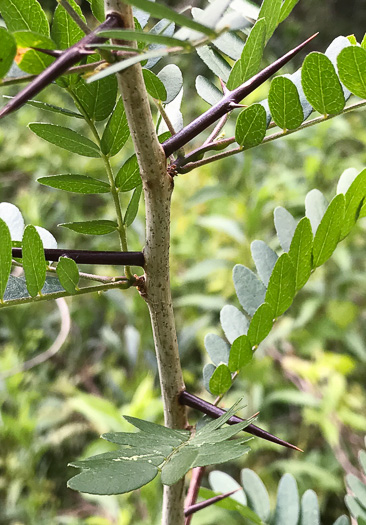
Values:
[(284, 103), (97, 7), (329, 230), (220, 380), (68, 274), (270, 11), (354, 200), (32, 61), (240, 354), (250, 60), (97, 227), (260, 324), (321, 84), (24, 15), (116, 131), (352, 69), (12, 216), (143, 36), (97, 99), (286, 9), (34, 263), (301, 252), (251, 126), (281, 286), (5, 257), (65, 138), (75, 183), (65, 32)]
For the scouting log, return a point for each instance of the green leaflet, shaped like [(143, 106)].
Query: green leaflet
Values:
[(65, 138), (220, 380), (97, 7), (286, 9), (161, 11), (50, 107), (355, 196), (154, 86), (251, 126), (329, 230), (215, 62), (68, 274), (34, 62), (241, 354), (260, 324), (34, 262), (310, 509), (116, 132), (178, 465), (301, 251), (250, 60), (249, 289), (65, 32), (133, 206), (75, 183), (233, 322), (270, 11), (281, 286), (97, 227), (284, 103), (96, 99), (24, 15), (208, 91), (128, 176), (8, 51), (5, 257), (321, 84), (351, 63), (217, 349)]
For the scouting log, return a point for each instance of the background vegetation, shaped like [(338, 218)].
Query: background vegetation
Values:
[(307, 379)]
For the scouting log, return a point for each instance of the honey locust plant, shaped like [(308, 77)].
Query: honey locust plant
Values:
[(108, 73)]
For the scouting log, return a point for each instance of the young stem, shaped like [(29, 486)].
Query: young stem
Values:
[(158, 187)]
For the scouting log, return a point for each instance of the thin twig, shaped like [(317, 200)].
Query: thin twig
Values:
[(74, 15), (221, 123), (53, 349)]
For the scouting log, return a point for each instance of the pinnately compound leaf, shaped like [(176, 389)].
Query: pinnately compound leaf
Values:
[(301, 252), (68, 274), (5, 257), (240, 354), (260, 324), (250, 60), (329, 230), (281, 286), (8, 51), (34, 262), (251, 126), (284, 103), (352, 69), (75, 183), (321, 84), (116, 132), (220, 380), (97, 227), (65, 138)]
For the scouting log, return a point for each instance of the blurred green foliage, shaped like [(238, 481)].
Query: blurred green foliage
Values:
[(307, 379)]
